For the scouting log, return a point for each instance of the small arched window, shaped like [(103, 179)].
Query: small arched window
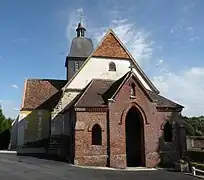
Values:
[(96, 135), (112, 66), (168, 132), (132, 90), (76, 66)]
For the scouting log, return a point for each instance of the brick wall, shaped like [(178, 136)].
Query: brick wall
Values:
[(155, 149), (152, 122), (85, 152)]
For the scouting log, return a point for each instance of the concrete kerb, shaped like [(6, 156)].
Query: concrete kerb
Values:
[(9, 155), (8, 152), (116, 169)]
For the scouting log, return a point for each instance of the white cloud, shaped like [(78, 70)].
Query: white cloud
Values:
[(14, 86), (160, 47), (73, 20), (194, 39), (189, 28), (187, 88), (8, 108), (172, 30), (188, 7), (136, 40), (175, 28), (16, 109), (160, 61), (80, 10)]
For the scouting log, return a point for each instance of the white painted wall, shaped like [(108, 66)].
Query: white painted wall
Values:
[(21, 129), (14, 134), (98, 68)]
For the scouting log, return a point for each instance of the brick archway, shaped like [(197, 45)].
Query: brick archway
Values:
[(134, 138), (139, 109), (96, 122)]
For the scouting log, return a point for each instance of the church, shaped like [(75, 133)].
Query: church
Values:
[(106, 113)]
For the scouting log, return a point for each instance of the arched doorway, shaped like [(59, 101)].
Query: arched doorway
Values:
[(134, 129)]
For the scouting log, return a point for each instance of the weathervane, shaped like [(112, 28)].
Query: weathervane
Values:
[(81, 14)]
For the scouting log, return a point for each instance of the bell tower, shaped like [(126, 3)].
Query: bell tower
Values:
[(81, 48)]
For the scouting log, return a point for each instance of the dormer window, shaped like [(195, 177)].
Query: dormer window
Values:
[(112, 66)]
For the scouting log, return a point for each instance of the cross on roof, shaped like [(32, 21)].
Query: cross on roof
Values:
[(131, 66)]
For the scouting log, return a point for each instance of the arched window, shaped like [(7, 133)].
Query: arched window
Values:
[(168, 132), (96, 135), (76, 65), (112, 66), (132, 90)]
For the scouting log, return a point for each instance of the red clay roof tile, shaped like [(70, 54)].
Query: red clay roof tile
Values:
[(110, 47), (38, 91)]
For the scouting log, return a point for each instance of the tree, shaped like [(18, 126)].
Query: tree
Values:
[(194, 126), (4, 122), (5, 134)]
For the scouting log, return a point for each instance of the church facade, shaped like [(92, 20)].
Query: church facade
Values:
[(107, 112)]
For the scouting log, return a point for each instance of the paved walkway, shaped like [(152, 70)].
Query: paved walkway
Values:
[(24, 168)]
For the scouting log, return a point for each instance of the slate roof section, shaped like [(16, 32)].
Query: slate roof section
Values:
[(99, 91), (110, 92), (93, 94), (81, 47), (41, 93), (163, 102)]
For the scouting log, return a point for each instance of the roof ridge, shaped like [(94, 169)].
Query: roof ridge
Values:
[(172, 101), (45, 79), (137, 67), (166, 98), (101, 79)]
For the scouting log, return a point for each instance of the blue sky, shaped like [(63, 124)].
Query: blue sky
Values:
[(166, 38)]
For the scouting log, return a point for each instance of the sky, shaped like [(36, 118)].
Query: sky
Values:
[(165, 37)]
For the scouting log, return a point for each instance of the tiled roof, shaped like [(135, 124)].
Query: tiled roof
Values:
[(162, 101), (110, 47), (41, 93), (114, 87), (100, 90), (92, 96)]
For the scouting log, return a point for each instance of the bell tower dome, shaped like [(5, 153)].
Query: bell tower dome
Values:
[(81, 48)]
